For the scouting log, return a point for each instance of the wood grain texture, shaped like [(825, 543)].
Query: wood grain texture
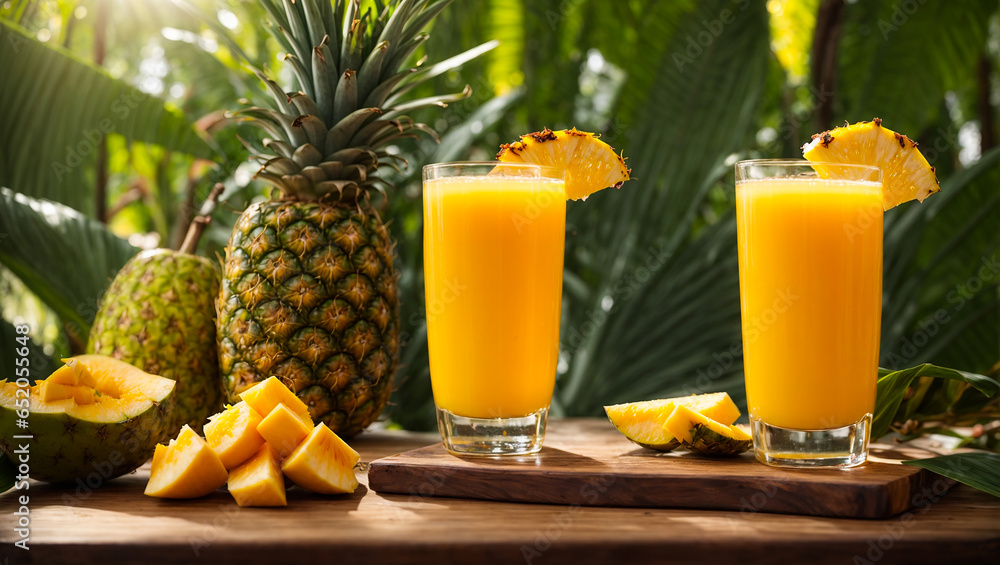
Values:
[(118, 525), (591, 464)]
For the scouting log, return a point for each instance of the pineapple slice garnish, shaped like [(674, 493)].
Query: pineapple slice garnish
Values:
[(906, 174), (590, 164)]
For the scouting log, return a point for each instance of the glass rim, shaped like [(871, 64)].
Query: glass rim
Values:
[(804, 162), (458, 164)]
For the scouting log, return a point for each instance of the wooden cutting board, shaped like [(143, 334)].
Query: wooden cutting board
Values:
[(588, 463)]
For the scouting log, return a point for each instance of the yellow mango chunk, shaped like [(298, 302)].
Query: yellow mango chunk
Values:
[(323, 463), (158, 455), (73, 373), (258, 481), (64, 375), (267, 394), (50, 391), (188, 469), (233, 435), (283, 429)]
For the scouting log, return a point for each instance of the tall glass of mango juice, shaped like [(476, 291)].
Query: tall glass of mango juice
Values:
[(493, 258), (810, 264)]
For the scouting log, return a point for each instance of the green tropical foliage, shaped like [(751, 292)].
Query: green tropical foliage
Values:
[(62, 115), (684, 87), (978, 470)]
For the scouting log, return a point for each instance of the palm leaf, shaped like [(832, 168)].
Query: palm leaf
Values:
[(935, 254), (978, 470), (65, 258), (56, 108), (889, 68), (674, 299), (892, 387)]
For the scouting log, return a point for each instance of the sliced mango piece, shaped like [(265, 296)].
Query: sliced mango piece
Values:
[(233, 434), (50, 391), (73, 373), (158, 455), (267, 394), (283, 429), (323, 463), (258, 481), (188, 469)]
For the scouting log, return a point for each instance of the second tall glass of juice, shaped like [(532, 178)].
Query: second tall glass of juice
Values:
[(493, 257), (810, 262)]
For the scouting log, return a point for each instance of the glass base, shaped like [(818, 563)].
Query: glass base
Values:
[(492, 436), (836, 447)]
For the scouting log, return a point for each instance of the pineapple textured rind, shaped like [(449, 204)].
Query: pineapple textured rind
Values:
[(309, 295), (314, 301), (159, 315)]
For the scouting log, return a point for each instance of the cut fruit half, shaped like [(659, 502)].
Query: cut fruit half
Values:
[(233, 434), (704, 435), (258, 482), (267, 394), (94, 413), (643, 422), (590, 164), (323, 463), (906, 175), (118, 391), (283, 429), (188, 469)]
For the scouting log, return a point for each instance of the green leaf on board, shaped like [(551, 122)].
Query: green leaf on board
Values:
[(979, 470), (892, 386)]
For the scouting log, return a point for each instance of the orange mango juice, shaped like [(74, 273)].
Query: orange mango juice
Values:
[(493, 261), (810, 254)]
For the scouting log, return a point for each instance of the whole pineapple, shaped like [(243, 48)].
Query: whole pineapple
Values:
[(309, 293), (158, 314)]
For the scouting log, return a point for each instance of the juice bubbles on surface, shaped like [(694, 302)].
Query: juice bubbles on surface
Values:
[(810, 254), (493, 261)]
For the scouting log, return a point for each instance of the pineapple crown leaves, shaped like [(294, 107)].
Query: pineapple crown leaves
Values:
[(327, 139)]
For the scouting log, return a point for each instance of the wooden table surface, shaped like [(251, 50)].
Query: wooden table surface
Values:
[(117, 524)]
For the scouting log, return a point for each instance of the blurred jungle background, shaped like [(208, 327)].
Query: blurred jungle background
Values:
[(114, 125)]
